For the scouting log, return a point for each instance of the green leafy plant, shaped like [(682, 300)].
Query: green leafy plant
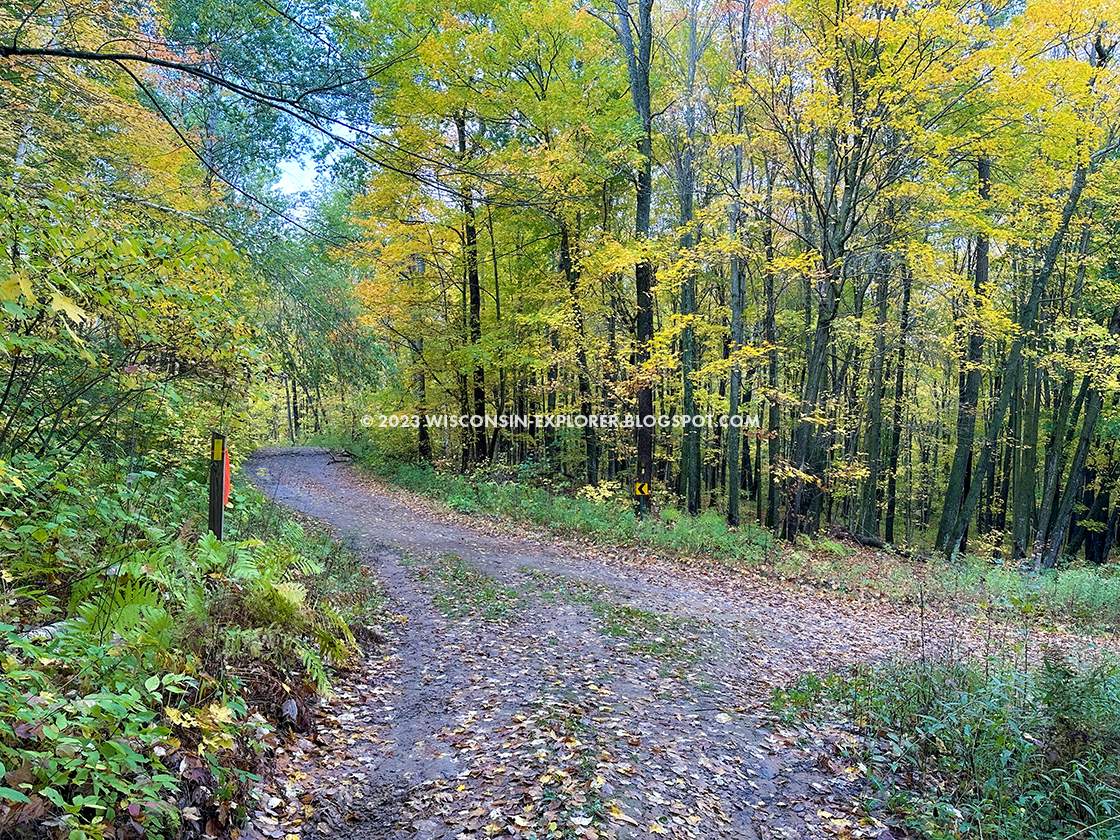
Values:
[(971, 749)]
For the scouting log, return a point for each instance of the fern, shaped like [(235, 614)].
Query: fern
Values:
[(307, 566), (118, 606), (313, 665), (159, 626), (292, 594)]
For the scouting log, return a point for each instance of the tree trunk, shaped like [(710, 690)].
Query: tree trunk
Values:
[(638, 55), (770, 334), (571, 274), (869, 506), (807, 452), (1026, 479), (474, 292), (896, 418), (685, 163), (738, 301), (970, 394)]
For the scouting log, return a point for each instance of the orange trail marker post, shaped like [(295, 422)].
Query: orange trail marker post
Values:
[(225, 477), (219, 482)]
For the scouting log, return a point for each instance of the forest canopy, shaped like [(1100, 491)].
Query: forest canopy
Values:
[(881, 231)]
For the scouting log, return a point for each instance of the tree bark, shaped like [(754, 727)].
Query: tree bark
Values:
[(896, 417), (869, 505), (571, 275), (770, 334), (638, 54), (738, 296), (474, 292), (969, 397)]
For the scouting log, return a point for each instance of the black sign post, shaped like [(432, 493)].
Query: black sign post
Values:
[(217, 483)]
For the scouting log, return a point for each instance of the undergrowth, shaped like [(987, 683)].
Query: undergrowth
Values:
[(146, 665), (606, 512), (983, 748)]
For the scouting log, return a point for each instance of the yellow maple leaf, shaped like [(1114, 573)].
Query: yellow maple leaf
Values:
[(63, 304)]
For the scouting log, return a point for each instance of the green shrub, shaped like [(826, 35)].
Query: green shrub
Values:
[(87, 738), (972, 749)]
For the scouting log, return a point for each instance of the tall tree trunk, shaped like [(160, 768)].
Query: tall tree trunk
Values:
[(738, 287), (970, 394), (808, 454), (869, 504), (500, 396), (571, 274), (291, 417), (1026, 479), (770, 334), (685, 163), (1060, 415), (638, 54), (474, 292), (896, 417), (553, 385), (419, 382)]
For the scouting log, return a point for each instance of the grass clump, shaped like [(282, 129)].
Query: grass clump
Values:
[(652, 634), (463, 589), (667, 638), (980, 749)]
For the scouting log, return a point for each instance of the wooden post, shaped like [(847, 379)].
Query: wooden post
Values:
[(217, 483)]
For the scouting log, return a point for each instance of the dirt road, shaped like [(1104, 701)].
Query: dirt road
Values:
[(530, 688)]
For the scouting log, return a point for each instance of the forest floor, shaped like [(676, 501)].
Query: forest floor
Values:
[(525, 684)]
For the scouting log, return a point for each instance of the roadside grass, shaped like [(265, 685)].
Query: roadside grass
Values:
[(606, 514), (981, 748), (1085, 598)]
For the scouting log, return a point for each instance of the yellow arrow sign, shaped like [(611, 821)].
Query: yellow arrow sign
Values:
[(641, 489)]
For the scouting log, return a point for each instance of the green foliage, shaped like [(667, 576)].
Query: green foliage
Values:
[(251, 599), (984, 749), (608, 516), (85, 738), (157, 636)]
